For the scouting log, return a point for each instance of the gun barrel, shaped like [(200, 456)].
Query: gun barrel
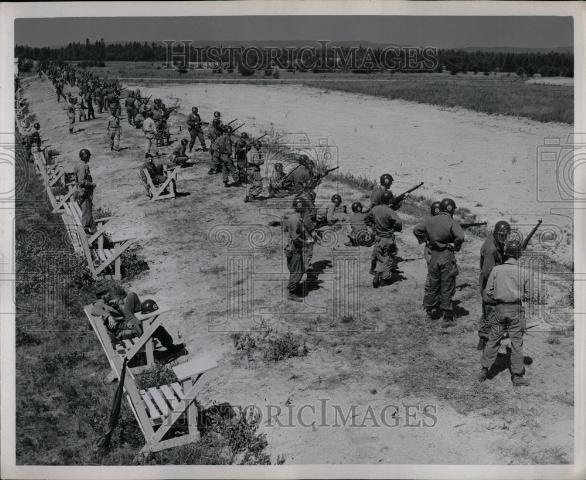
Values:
[(230, 123), (530, 235)]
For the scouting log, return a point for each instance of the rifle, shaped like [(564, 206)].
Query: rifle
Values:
[(230, 123), (397, 201), (474, 224), (327, 172), (530, 235), (241, 125)]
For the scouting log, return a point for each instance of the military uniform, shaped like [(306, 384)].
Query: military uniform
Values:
[(157, 173), (150, 131), (278, 184), (71, 117), (440, 231), (130, 109), (490, 256), (298, 177), (241, 150), (253, 175), (224, 148), (214, 134), (195, 131), (178, 155), (505, 289), (356, 225), (114, 132), (84, 194), (297, 237), (385, 223)]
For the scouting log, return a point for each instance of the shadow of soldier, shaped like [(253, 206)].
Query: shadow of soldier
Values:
[(312, 281)]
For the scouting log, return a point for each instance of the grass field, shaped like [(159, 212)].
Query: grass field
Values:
[(494, 94)]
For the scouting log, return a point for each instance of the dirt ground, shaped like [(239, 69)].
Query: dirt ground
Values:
[(216, 261)]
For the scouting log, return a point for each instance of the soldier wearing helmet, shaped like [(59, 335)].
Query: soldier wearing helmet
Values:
[(385, 223), (506, 287), (434, 209), (298, 239), (178, 155), (131, 111), (149, 128), (214, 133), (118, 309), (113, 131), (444, 236), (332, 212), (386, 180), (223, 147), (491, 254), (84, 190), (356, 224), (278, 182), (241, 149), (32, 137), (300, 176), (194, 126)]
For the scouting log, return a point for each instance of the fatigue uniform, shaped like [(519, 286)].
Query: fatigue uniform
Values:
[(84, 193), (505, 289), (299, 176), (71, 117), (214, 134), (150, 130), (490, 256), (178, 155), (157, 173), (278, 184), (253, 175), (114, 132), (33, 137), (90, 105), (195, 131), (82, 108), (99, 93), (331, 213), (356, 224), (309, 224), (242, 148), (439, 231), (119, 328), (297, 237), (377, 195), (59, 91), (130, 110), (224, 148), (385, 223)]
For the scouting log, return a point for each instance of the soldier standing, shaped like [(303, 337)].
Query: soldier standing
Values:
[(253, 176), (385, 222), (150, 131), (71, 116), (224, 148), (84, 191), (491, 254), (298, 238), (505, 290), (445, 236), (130, 109), (241, 150), (195, 130), (214, 133), (113, 131)]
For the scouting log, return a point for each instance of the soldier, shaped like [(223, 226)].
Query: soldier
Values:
[(84, 190), (150, 131), (99, 94), (298, 240), (113, 131), (386, 180), (118, 309), (71, 116), (241, 149), (505, 290), (331, 213), (89, 101), (214, 133), (434, 210), (157, 172), (445, 236), (491, 254), (82, 107), (32, 137), (178, 155), (299, 175), (59, 90), (130, 108), (385, 222), (278, 183), (195, 130), (253, 176), (356, 224), (224, 148)]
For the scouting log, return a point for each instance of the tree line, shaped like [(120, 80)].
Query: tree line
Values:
[(454, 61)]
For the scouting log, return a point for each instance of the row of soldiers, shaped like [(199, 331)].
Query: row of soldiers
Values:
[(442, 235)]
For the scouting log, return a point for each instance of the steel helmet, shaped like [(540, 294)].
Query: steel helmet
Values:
[(148, 306), (278, 166), (244, 135), (386, 179), (387, 198), (184, 141), (84, 153), (501, 231), (194, 109), (447, 205), (303, 158), (217, 114), (435, 208), (37, 125), (337, 199), (357, 207), (228, 128), (513, 248)]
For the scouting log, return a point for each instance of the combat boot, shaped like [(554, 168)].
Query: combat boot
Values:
[(376, 281), (448, 319), (372, 267), (481, 343), (483, 375), (519, 381)]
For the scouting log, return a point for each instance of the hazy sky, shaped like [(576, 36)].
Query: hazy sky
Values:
[(442, 32)]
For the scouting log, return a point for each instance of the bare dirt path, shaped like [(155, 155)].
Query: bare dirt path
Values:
[(205, 261)]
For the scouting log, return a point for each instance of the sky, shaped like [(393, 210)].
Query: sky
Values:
[(441, 32)]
